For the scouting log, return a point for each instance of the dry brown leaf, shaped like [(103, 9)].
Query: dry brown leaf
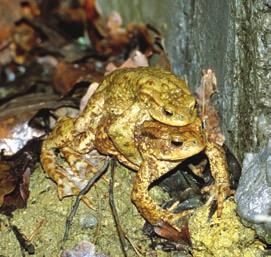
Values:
[(207, 111), (137, 59), (164, 230), (9, 13), (208, 86), (15, 171), (30, 9), (14, 187), (66, 75), (114, 23), (111, 38), (117, 35), (24, 38), (7, 181), (91, 90), (92, 12)]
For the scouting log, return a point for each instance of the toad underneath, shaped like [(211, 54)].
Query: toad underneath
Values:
[(145, 117)]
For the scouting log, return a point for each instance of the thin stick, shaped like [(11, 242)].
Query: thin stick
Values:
[(37, 229), (75, 205), (121, 233), (114, 211)]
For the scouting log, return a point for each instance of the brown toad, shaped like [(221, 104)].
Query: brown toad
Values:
[(126, 98)]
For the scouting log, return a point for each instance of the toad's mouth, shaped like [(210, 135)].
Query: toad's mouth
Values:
[(177, 155)]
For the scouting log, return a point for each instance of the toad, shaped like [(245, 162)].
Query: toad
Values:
[(126, 98), (159, 148)]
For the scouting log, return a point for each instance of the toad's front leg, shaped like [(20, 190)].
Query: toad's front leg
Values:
[(154, 214), (219, 169)]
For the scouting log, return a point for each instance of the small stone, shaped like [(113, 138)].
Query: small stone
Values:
[(88, 221)]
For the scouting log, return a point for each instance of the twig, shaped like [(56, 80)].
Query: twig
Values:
[(24, 242), (37, 229), (133, 246), (75, 205), (122, 235), (114, 211)]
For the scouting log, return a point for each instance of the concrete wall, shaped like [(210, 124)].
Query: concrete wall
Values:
[(231, 37)]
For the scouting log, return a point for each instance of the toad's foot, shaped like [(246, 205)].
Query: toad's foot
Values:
[(199, 168), (218, 192)]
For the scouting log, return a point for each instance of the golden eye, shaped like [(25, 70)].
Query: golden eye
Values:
[(176, 143), (167, 112)]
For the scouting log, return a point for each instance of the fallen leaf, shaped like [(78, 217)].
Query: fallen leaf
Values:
[(137, 59), (7, 181), (24, 39), (207, 111), (208, 85), (111, 38), (91, 90), (15, 116), (9, 13), (165, 230), (15, 171), (66, 75)]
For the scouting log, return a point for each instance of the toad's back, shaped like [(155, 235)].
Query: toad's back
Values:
[(123, 87)]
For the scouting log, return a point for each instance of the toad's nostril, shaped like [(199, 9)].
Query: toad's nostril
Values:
[(194, 142), (176, 143), (167, 112)]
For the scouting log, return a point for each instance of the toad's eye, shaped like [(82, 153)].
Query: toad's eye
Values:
[(176, 143), (167, 112)]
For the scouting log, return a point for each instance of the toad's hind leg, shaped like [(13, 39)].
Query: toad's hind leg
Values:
[(144, 203), (56, 173), (50, 158), (67, 184), (219, 169), (59, 136)]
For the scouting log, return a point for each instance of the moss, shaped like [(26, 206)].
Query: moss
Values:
[(44, 205), (222, 237)]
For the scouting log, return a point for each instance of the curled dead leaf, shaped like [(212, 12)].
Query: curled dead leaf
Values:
[(207, 111), (15, 171), (137, 59), (91, 90), (164, 230)]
